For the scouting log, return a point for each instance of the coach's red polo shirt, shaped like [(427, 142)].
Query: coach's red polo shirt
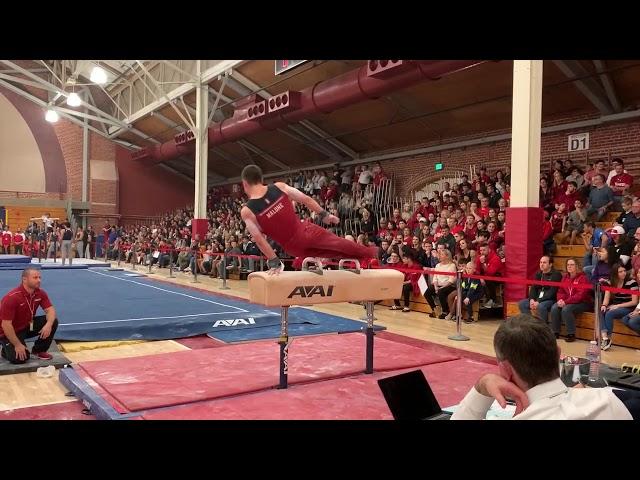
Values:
[(20, 307)]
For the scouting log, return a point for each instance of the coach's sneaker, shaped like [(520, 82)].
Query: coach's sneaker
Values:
[(42, 355), (605, 344)]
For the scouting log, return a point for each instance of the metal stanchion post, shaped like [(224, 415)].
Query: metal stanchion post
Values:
[(195, 271), (55, 250), (224, 274), (369, 336), (458, 336), (597, 304), (284, 347), (171, 265), (261, 263)]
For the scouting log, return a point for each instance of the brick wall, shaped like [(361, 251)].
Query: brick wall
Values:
[(413, 174), (70, 139)]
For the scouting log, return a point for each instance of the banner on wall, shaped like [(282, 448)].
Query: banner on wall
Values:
[(3, 215)]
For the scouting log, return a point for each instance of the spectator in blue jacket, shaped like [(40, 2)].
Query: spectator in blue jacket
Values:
[(471, 292)]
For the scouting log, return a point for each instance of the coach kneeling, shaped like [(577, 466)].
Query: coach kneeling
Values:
[(19, 322)]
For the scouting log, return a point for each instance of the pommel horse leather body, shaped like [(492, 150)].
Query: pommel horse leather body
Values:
[(333, 286)]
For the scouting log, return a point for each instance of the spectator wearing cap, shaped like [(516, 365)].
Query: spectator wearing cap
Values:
[(600, 198), (593, 238), (422, 222), (621, 249), (542, 297)]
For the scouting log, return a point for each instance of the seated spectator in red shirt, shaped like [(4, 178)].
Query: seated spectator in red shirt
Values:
[(558, 185), (484, 178), (495, 239), (470, 228), (331, 191), (569, 196), (489, 263), (620, 183), (484, 208), (548, 244), (559, 218), (506, 195)]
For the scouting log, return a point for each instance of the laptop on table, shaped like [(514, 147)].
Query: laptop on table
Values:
[(410, 397)]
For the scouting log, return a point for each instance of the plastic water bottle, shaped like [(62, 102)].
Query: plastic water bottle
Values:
[(593, 355)]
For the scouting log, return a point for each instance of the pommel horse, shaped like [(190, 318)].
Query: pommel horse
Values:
[(312, 287)]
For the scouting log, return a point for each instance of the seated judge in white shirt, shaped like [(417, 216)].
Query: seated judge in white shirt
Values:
[(528, 357)]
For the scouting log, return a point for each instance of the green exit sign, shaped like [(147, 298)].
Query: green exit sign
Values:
[(439, 167), (286, 65)]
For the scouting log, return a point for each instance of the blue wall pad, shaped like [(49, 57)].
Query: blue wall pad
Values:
[(59, 266), (15, 259)]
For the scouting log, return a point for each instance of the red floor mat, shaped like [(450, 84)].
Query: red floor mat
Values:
[(56, 411), (154, 381), (354, 398)]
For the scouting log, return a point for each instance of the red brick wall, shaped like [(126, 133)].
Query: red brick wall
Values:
[(412, 174), (148, 190), (70, 138)]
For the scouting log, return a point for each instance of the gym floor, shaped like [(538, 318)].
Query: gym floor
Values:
[(28, 390)]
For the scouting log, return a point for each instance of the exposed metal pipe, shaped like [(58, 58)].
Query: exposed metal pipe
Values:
[(344, 90)]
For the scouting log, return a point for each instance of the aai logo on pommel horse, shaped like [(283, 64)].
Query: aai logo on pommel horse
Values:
[(309, 291), (234, 323)]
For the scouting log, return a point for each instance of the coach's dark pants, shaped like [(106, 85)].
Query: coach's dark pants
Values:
[(40, 345)]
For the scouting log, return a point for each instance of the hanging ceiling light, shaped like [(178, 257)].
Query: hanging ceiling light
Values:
[(73, 100), (98, 75), (51, 116)]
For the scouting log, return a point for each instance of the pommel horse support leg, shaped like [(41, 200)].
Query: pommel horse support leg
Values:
[(312, 287)]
